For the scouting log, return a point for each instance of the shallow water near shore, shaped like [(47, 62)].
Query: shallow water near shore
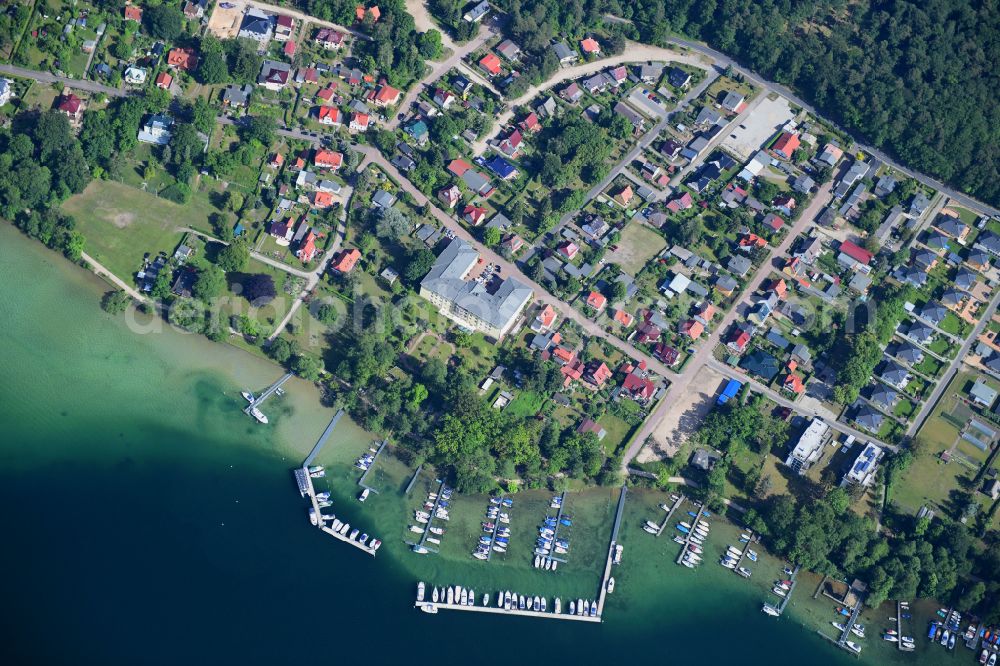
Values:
[(147, 520)]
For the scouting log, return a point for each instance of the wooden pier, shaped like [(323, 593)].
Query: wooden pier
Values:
[(602, 595), (788, 596), (361, 481), (743, 553), (413, 480), (851, 621), (513, 611), (268, 392), (687, 538), (329, 530), (670, 513)]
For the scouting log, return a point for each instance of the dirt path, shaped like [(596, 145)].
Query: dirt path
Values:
[(114, 279)]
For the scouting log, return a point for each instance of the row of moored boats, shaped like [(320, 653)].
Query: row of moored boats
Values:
[(692, 536), (435, 508), (496, 529), (457, 595), (549, 544), (341, 528)]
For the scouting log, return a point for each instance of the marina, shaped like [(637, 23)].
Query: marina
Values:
[(558, 502), (304, 480), (551, 615), (413, 479), (421, 547), (612, 548), (791, 588)]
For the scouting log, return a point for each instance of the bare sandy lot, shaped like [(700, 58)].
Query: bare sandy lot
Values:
[(225, 23), (683, 417)]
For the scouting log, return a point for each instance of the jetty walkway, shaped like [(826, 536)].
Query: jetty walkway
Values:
[(611, 552), (268, 392), (687, 537), (513, 611), (670, 513)]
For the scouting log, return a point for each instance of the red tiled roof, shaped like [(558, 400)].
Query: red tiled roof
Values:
[(163, 80), (458, 167), (856, 252), (182, 58), (590, 46), (596, 300), (491, 63), (346, 260), (329, 113), (786, 144), (692, 328), (133, 13), (328, 158)]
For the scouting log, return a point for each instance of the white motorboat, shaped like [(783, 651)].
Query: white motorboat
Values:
[(579, 607), (854, 647), (463, 596), (770, 610), (688, 564), (650, 530), (436, 542), (313, 518), (693, 557), (538, 560), (472, 597), (420, 591), (686, 526), (557, 609), (429, 608), (248, 396), (364, 495), (745, 537), (499, 599), (336, 525), (838, 626), (354, 534), (572, 607), (419, 550), (736, 552), (344, 529), (480, 555), (437, 530), (650, 523), (780, 592), (545, 606), (555, 563), (520, 602), (618, 553), (416, 530), (434, 595), (611, 585), (451, 595), (695, 549), (548, 565), (259, 415), (486, 599), (743, 571), (536, 604)]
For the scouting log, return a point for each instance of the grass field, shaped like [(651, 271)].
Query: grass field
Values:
[(122, 223), (638, 245)]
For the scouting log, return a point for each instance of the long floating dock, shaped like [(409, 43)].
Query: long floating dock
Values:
[(413, 480), (555, 530), (321, 442), (791, 588), (602, 595), (501, 611)]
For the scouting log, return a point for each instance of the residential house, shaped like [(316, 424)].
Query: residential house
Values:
[(983, 394), (854, 256), (953, 227), (894, 375), (156, 130), (509, 50), (692, 329), (596, 300), (328, 159), (135, 76), (564, 53), (329, 38), (490, 63), (359, 122), (883, 397), (345, 261), (386, 95), (865, 467), (72, 106), (786, 145), (307, 249), (257, 25), (590, 426), (530, 123), (733, 102), (185, 59), (678, 78), (868, 418), (478, 183), (512, 144), (284, 27), (163, 81), (328, 115), (590, 46), (624, 197), (808, 448), (474, 215), (933, 312), (831, 154), (133, 13), (374, 13), (195, 9), (477, 12), (544, 320), (450, 196), (274, 75), (738, 265), (571, 93), (383, 199)]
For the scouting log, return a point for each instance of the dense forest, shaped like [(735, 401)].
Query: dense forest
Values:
[(917, 79)]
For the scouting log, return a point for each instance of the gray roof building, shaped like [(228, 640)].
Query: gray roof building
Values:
[(471, 303)]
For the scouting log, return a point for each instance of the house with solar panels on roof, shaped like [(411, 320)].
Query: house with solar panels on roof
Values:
[(863, 469)]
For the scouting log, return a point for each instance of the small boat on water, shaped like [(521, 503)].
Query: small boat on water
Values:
[(548, 564), (688, 564), (729, 564), (891, 639), (618, 554), (437, 530), (486, 599), (354, 534), (435, 595), (579, 606), (650, 530), (555, 564), (746, 536), (780, 592), (344, 529), (679, 539), (557, 606), (536, 604), (259, 415), (686, 526), (770, 610), (695, 549), (416, 529), (420, 591), (854, 647), (507, 599), (337, 524), (436, 542), (650, 523), (611, 584), (743, 571), (984, 656), (479, 555), (451, 595), (429, 608), (838, 626), (951, 642), (593, 609), (520, 602), (364, 495), (472, 597), (248, 396), (313, 518), (572, 607), (858, 630), (420, 550)]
